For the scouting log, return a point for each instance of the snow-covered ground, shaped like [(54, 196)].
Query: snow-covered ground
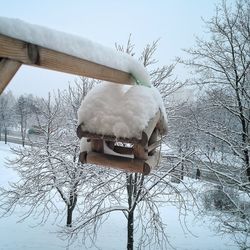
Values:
[(112, 235)]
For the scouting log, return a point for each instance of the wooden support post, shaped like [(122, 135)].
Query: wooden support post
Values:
[(82, 157), (97, 145), (140, 151), (8, 69)]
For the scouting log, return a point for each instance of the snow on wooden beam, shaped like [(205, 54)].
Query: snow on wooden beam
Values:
[(8, 69), (38, 56)]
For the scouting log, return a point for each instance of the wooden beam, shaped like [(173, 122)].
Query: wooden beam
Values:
[(97, 145), (82, 133), (38, 56), (82, 157), (127, 164), (8, 69), (140, 151)]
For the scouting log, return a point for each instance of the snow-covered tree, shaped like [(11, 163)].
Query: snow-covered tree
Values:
[(221, 118), (7, 102), (136, 196), (23, 110), (49, 169), (222, 63)]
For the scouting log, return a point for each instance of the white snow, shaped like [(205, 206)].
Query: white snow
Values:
[(73, 45), (122, 111), (23, 236)]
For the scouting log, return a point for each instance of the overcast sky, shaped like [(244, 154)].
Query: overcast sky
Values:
[(176, 22)]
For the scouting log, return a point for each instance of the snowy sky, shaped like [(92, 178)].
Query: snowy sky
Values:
[(175, 22)]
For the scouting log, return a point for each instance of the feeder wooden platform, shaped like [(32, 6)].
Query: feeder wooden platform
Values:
[(137, 155)]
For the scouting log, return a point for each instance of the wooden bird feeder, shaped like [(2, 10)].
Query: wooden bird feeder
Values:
[(131, 154)]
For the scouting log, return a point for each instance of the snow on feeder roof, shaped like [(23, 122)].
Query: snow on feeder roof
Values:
[(121, 111), (32, 44), (112, 114)]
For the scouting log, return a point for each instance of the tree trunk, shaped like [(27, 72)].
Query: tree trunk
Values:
[(5, 136), (130, 227), (247, 162), (71, 206), (244, 134), (182, 171), (22, 135), (69, 215), (198, 174), (23, 130)]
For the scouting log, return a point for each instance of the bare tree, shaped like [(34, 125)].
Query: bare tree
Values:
[(160, 76), (7, 102), (23, 110), (221, 117), (49, 169), (136, 196), (223, 63)]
